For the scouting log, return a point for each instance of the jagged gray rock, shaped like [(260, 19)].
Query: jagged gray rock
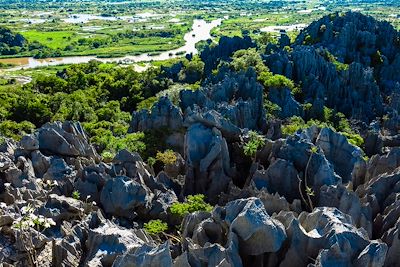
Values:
[(273, 203), (108, 241), (284, 99), (208, 169), (245, 220), (348, 202), (29, 142), (125, 197), (314, 165), (162, 115), (40, 163), (393, 254), (280, 177), (339, 152), (233, 101), (65, 139), (379, 164), (259, 221), (210, 255), (329, 236), (257, 231), (159, 256), (61, 208)]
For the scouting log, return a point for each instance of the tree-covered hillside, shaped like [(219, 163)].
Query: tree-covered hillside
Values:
[(10, 43)]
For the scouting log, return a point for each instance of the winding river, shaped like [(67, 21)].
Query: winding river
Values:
[(200, 32)]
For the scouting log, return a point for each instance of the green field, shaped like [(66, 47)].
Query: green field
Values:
[(53, 39)]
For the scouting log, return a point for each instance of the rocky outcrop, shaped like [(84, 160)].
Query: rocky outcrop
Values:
[(229, 103), (63, 139), (108, 241), (381, 194), (280, 177), (330, 237), (348, 202), (257, 232), (380, 164), (315, 167), (157, 256), (353, 92), (134, 190), (208, 169), (284, 99), (243, 226), (211, 56), (340, 153), (209, 255), (237, 97), (122, 196), (347, 62), (393, 252), (162, 115)]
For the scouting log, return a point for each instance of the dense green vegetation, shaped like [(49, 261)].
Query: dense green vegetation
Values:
[(10, 43), (101, 96)]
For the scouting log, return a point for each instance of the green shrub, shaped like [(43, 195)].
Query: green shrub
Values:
[(308, 40), (166, 157), (154, 141), (246, 58), (155, 227), (354, 139), (192, 70), (76, 195), (307, 106), (15, 130), (132, 142), (151, 161), (33, 108), (111, 112), (295, 123), (273, 110), (255, 142), (331, 58), (147, 103), (340, 66), (108, 156), (270, 80), (192, 204)]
